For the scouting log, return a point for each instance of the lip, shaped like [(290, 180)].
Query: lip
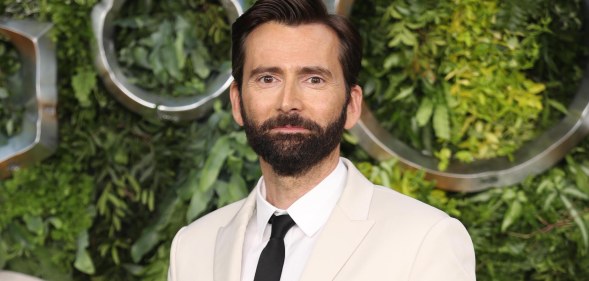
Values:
[(288, 129)]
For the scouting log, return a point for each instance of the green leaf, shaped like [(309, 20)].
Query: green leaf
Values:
[(9, 126), (3, 254), (198, 203), (140, 55), (442, 122), (512, 215), (405, 92), (235, 190), (573, 191), (56, 222), (83, 260), (152, 234), (34, 224), (156, 63), (424, 113), (464, 156), (170, 60), (578, 220), (121, 156), (558, 106), (444, 158), (179, 49), (148, 240), (83, 83), (3, 93), (200, 67), (408, 38), (190, 184), (214, 162), (549, 200), (392, 60)]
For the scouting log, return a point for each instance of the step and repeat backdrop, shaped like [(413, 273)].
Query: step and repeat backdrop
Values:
[(116, 131)]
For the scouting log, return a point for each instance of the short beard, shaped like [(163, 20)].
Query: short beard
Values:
[(294, 154)]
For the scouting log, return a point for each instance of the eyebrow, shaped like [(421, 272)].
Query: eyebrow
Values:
[(316, 70), (303, 70), (263, 69)]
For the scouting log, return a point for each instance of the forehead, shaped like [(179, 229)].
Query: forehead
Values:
[(277, 44)]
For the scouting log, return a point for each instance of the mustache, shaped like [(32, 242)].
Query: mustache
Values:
[(294, 120)]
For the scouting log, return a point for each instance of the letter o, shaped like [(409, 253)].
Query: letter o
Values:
[(39, 137), (533, 158), (137, 99)]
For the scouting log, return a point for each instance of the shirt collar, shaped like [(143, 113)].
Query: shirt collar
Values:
[(311, 211)]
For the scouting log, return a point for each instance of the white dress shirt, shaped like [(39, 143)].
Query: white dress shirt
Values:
[(310, 213)]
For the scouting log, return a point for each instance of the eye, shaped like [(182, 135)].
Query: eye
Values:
[(315, 80), (267, 79)]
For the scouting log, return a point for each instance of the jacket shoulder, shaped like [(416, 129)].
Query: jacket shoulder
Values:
[(194, 245), (212, 221), (387, 203), (423, 242)]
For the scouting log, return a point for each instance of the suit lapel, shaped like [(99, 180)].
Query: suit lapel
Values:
[(229, 244), (347, 226), (337, 243)]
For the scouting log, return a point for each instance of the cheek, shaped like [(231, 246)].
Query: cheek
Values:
[(328, 114), (256, 97), (254, 112)]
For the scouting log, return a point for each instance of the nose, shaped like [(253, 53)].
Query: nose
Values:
[(290, 100)]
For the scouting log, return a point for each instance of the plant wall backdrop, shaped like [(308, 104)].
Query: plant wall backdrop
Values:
[(476, 79)]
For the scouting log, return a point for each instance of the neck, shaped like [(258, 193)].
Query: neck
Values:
[(283, 191)]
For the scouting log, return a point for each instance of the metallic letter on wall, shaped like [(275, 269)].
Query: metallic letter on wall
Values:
[(135, 98), (38, 138), (532, 159)]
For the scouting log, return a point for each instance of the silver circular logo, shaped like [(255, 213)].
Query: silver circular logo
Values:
[(38, 138), (137, 99), (531, 159)]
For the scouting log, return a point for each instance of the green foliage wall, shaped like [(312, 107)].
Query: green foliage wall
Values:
[(106, 205)]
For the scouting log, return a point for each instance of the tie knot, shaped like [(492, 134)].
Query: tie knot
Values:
[(280, 225)]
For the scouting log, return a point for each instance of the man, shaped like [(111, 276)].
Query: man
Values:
[(312, 216)]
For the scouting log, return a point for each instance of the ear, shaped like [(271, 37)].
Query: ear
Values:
[(235, 103), (354, 109)]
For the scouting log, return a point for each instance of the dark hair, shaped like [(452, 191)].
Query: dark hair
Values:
[(293, 13)]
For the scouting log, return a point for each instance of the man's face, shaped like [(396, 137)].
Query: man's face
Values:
[(292, 154), (293, 101)]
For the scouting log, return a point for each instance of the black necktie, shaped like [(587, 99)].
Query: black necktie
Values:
[(272, 257)]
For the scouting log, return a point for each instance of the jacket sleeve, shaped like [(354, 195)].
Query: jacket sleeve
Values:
[(446, 254)]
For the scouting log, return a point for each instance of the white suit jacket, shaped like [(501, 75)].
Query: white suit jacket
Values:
[(373, 233)]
